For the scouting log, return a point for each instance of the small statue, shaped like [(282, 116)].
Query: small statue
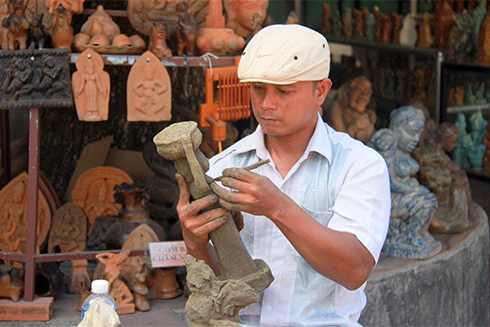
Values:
[(382, 27), (446, 180), (62, 32), (113, 263), (11, 282), (359, 27), (347, 23), (326, 28), (100, 206), (17, 25), (460, 44), (413, 205), (425, 37), (350, 113), (38, 34), (187, 31), (478, 16), (486, 157), (369, 22), (408, 32), (443, 20), (240, 14), (336, 23), (158, 41), (483, 42), (459, 153), (396, 25)]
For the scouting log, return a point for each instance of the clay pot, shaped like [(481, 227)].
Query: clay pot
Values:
[(137, 41), (49, 279), (121, 40), (81, 39), (100, 39)]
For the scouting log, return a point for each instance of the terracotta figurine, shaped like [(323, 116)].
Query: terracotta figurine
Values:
[(425, 36), (62, 32), (17, 25), (187, 31), (91, 86), (413, 205), (240, 14), (483, 41), (158, 41), (359, 27), (443, 19), (349, 111), (347, 28), (326, 28)]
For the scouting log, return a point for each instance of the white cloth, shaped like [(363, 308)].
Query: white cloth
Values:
[(343, 185)]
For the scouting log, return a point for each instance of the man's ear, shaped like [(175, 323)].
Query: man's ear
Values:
[(322, 88)]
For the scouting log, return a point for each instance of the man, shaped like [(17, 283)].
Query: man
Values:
[(318, 213)]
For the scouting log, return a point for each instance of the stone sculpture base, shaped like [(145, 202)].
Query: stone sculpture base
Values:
[(41, 309), (449, 289)]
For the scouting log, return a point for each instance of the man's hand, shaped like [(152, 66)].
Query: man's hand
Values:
[(254, 193), (195, 225)]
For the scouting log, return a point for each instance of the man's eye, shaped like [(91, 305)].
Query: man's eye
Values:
[(283, 91)]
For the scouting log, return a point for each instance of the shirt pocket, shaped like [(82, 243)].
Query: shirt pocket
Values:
[(323, 217)]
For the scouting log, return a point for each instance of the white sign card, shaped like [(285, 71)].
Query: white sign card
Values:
[(167, 254)]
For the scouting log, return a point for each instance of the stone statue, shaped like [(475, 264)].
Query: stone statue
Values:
[(478, 130), (17, 25), (446, 180), (350, 111), (425, 36), (113, 263), (460, 44), (38, 34), (91, 86), (478, 15), (408, 32), (459, 153), (240, 14), (413, 205), (369, 21)]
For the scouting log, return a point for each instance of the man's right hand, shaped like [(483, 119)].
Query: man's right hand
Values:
[(196, 226)]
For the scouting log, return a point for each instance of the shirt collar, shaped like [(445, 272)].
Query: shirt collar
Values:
[(318, 142)]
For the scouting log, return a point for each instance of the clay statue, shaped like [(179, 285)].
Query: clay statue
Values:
[(62, 32), (38, 34), (180, 143), (149, 90), (240, 15), (359, 28), (326, 27), (187, 31), (408, 32), (347, 23), (158, 41), (350, 111), (443, 20), (425, 36), (75, 6), (11, 282), (100, 205), (396, 26), (100, 23), (17, 25), (483, 41), (91, 85), (4, 13), (446, 180), (413, 205), (113, 263), (209, 302)]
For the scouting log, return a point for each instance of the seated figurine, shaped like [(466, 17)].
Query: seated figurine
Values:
[(446, 180), (413, 205), (350, 113)]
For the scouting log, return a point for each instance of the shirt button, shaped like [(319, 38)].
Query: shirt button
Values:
[(278, 233), (268, 308), (274, 273)]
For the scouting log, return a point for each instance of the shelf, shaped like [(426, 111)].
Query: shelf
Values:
[(128, 60), (385, 46), (468, 108)]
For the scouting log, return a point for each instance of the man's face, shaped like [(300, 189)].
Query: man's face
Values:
[(247, 8), (284, 110)]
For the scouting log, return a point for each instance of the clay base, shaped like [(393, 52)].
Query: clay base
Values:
[(41, 309), (125, 309)]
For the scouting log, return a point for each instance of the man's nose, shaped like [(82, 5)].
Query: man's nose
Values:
[(269, 100)]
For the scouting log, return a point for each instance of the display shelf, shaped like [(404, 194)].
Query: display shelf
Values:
[(468, 108), (128, 60)]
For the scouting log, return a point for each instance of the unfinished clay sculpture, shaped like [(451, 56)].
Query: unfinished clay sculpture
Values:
[(149, 90), (413, 205), (180, 143), (91, 86)]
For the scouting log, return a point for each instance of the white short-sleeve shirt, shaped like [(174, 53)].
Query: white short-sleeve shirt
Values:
[(341, 183)]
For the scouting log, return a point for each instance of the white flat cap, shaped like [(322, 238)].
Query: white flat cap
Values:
[(285, 54)]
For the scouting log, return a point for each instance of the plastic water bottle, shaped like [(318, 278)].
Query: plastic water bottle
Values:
[(100, 291)]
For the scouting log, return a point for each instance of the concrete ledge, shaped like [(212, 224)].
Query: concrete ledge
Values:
[(450, 289), (41, 309)]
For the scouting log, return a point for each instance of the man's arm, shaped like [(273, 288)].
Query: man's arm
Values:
[(339, 256), (196, 226)]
